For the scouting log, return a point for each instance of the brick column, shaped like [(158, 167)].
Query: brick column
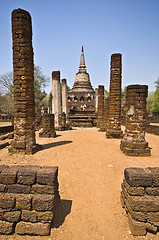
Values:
[(100, 106), (96, 100), (23, 67), (114, 125), (133, 142), (64, 97), (48, 126), (56, 98), (106, 114)]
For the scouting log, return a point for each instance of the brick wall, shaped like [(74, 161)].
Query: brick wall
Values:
[(29, 199), (140, 198)]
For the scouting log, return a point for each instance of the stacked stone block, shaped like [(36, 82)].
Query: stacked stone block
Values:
[(29, 199), (48, 126), (133, 142), (114, 125), (100, 106), (140, 198), (23, 66)]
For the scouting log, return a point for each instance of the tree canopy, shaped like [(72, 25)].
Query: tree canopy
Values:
[(155, 102)]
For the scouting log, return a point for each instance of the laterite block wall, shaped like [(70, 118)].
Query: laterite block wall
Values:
[(29, 199), (140, 197)]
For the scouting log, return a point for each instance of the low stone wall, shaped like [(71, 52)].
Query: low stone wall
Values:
[(152, 129), (29, 199), (153, 119), (140, 197), (6, 129)]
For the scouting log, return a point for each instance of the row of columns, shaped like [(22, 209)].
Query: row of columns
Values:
[(109, 118), (59, 105), (109, 112)]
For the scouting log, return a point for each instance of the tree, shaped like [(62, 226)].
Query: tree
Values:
[(155, 102), (149, 102), (6, 83), (6, 89)]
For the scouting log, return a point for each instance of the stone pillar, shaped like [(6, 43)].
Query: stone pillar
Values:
[(56, 98), (48, 126), (23, 67), (105, 115), (100, 106), (114, 125), (133, 142), (64, 97), (96, 100)]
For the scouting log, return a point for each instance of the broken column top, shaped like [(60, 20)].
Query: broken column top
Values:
[(64, 80), (137, 86), (21, 13), (56, 75)]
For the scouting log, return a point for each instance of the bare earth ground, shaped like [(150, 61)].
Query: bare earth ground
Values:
[(90, 176)]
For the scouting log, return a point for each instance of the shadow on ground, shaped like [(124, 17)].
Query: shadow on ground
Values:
[(54, 144), (64, 210)]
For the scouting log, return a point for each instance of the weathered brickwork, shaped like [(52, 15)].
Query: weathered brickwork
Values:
[(133, 142), (106, 114), (100, 112), (64, 98), (114, 125), (29, 199), (56, 99), (140, 198), (23, 67), (48, 126)]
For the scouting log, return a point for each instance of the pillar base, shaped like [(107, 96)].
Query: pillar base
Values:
[(20, 147), (102, 129), (47, 134), (114, 133), (135, 149)]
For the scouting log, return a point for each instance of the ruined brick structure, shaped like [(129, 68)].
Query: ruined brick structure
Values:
[(29, 199), (48, 126), (105, 114), (96, 100), (23, 66), (81, 103), (64, 98), (139, 197), (133, 142), (100, 111), (114, 124), (56, 99)]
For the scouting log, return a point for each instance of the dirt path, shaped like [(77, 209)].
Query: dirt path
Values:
[(90, 175)]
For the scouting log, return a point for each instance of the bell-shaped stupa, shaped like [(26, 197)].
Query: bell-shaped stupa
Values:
[(82, 81)]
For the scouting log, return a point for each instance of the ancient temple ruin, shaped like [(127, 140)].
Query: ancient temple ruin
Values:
[(81, 102), (133, 142), (23, 66), (114, 123)]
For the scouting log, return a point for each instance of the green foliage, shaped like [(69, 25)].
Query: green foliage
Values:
[(40, 82), (106, 94), (155, 102), (149, 102)]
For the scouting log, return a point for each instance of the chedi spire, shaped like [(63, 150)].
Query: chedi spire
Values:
[(82, 67)]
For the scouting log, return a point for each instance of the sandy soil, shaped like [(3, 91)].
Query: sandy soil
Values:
[(90, 176)]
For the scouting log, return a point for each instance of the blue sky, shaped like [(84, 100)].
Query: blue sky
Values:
[(103, 27)]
